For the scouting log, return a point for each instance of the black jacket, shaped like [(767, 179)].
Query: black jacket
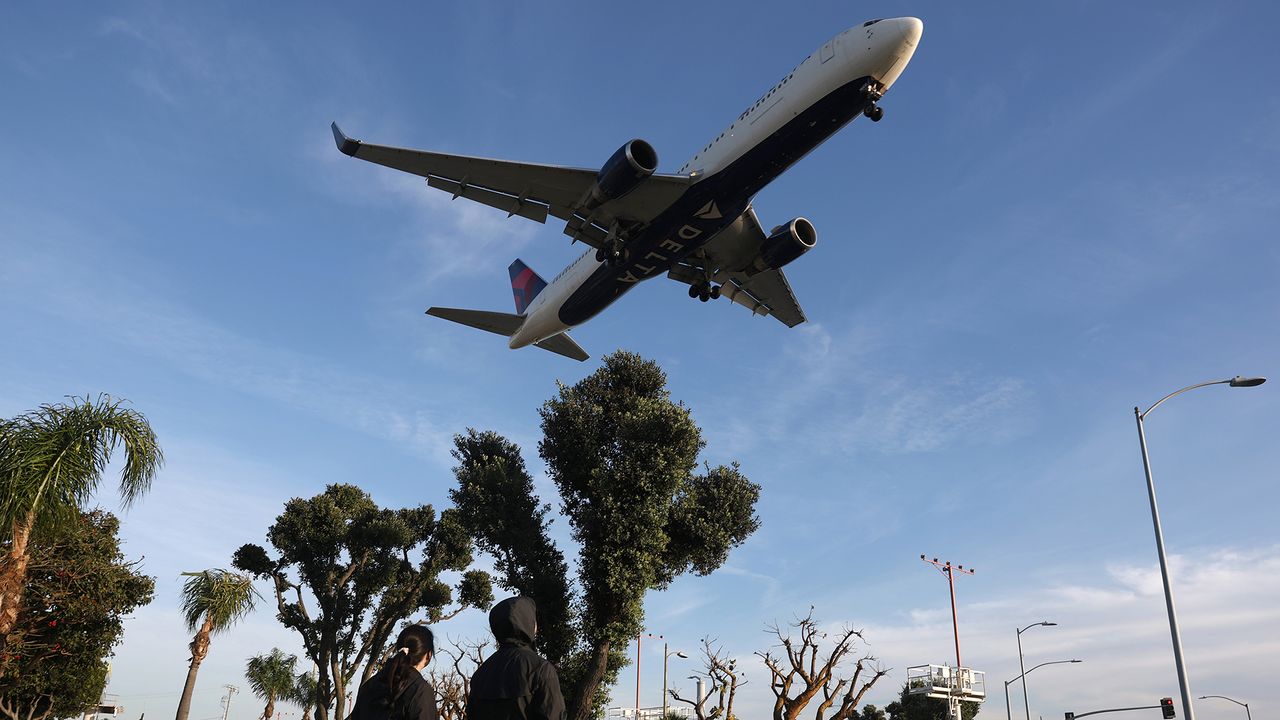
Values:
[(515, 683), (417, 699)]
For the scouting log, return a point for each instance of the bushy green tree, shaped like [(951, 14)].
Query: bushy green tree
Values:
[(347, 573), (79, 589), (271, 678), (919, 707), (624, 457), (51, 461)]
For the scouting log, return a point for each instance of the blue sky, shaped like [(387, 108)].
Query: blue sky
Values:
[(1069, 210)]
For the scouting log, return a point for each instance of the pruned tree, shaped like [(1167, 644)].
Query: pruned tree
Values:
[(347, 573), (725, 678), (79, 589), (212, 601), (624, 458), (803, 672), (51, 461), (454, 684)]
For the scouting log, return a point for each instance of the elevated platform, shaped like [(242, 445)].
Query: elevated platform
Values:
[(945, 681)]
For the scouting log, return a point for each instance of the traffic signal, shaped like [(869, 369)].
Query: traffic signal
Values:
[(1166, 708)]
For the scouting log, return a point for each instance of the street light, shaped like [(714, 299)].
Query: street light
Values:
[(1023, 668), (1007, 712), (1183, 685), (667, 656), (1247, 714)]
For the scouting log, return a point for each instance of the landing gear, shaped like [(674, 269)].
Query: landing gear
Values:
[(872, 94), (613, 254), (704, 291)]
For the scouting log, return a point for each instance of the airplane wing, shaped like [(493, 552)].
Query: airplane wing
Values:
[(526, 189), (763, 293)]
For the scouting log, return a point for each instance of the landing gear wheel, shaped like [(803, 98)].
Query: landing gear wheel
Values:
[(694, 291), (704, 295), (715, 292), (875, 112)]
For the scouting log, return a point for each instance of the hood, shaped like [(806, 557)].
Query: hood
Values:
[(514, 620)]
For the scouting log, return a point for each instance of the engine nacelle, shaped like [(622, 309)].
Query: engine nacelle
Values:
[(632, 163), (786, 243)]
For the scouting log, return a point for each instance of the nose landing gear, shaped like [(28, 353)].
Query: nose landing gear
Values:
[(872, 94), (874, 112)]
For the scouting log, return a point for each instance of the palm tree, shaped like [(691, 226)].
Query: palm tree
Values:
[(51, 461), (304, 693), (212, 601), (271, 676)]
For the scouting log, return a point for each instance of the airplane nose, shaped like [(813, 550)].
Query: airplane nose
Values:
[(911, 30)]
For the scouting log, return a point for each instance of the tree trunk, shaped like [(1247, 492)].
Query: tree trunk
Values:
[(199, 649), (580, 706), (271, 708), (13, 575)]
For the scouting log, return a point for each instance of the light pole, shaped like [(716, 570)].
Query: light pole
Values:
[(1007, 713), (665, 657), (1247, 714), (1023, 668), (1183, 685)]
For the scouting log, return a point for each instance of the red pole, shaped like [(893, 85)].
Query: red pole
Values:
[(955, 623)]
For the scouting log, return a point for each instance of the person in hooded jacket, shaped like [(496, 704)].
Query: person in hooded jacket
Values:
[(398, 691), (515, 683)]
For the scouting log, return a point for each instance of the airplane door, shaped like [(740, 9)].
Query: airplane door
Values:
[(828, 50)]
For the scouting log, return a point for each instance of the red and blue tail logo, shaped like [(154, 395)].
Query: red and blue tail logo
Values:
[(525, 285)]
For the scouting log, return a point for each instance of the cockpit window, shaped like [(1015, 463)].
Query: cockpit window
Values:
[(869, 23)]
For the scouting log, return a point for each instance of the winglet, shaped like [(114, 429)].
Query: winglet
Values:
[(345, 144)]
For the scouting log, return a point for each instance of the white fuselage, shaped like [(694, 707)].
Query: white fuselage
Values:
[(878, 49)]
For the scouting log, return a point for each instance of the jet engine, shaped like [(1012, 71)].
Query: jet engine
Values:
[(786, 243), (632, 163)]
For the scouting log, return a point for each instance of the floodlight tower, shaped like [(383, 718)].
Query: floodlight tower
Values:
[(961, 682)]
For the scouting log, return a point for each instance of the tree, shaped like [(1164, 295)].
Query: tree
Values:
[(623, 457), (454, 685), (212, 601), (496, 503), (920, 707), (725, 681), (79, 590), (353, 560), (303, 693), (271, 677), (802, 674), (51, 461)]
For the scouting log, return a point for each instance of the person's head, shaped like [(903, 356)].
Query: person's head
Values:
[(417, 645), (515, 620), (412, 652)]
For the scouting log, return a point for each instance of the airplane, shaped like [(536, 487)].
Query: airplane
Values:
[(696, 225)]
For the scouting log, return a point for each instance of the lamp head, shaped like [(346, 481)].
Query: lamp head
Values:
[(681, 655), (1046, 623), (1241, 381)]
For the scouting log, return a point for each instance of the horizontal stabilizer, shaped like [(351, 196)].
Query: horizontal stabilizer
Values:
[(564, 345), (504, 324)]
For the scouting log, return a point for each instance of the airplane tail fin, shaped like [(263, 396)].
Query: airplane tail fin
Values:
[(506, 325), (525, 285)]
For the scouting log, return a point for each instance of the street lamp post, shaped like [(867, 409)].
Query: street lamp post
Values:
[(1245, 705), (1183, 685), (1007, 712), (665, 657), (1023, 668)]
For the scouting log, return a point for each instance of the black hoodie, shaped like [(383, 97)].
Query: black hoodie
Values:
[(515, 683)]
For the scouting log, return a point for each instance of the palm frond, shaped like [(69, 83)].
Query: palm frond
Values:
[(271, 676), (221, 596), (53, 458)]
